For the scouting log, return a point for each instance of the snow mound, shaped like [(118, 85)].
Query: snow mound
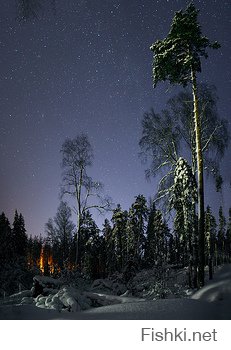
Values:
[(214, 292), (18, 298), (168, 309), (159, 283), (218, 289), (67, 297), (161, 309), (27, 312), (211, 302)]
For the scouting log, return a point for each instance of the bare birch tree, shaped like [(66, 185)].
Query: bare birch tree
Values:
[(77, 156)]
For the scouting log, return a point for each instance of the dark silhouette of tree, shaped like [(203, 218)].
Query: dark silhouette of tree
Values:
[(54, 240), (64, 229), (14, 272), (109, 248), (6, 246), (77, 156), (119, 220), (37, 247), (135, 229), (172, 255), (60, 235), (50, 231), (19, 236), (221, 237), (177, 58), (92, 248), (210, 240), (157, 234)]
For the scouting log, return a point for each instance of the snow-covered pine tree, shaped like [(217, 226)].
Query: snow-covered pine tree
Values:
[(179, 236), (150, 241), (110, 263), (89, 235), (183, 200), (157, 236), (165, 134), (135, 229), (119, 220), (172, 254), (93, 248), (177, 59)]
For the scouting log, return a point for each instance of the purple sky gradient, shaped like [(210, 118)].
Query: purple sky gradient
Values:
[(87, 68)]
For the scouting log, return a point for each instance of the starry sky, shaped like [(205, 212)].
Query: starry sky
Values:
[(87, 68)]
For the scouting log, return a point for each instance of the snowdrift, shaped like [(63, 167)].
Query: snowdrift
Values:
[(213, 302)]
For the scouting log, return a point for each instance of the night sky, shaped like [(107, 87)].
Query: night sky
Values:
[(87, 68)]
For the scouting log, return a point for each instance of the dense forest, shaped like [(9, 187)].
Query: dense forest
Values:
[(132, 240)]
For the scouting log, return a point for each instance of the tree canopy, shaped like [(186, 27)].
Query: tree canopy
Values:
[(181, 50)]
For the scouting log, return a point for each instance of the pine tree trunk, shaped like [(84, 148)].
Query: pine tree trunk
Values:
[(77, 242), (78, 199), (195, 248), (201, 233), (188, 250)]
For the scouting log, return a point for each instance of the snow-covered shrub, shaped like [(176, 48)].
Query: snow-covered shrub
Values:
[(111, 286), (66, 298)]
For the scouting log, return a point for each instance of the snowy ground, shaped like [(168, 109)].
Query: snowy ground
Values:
[(211, 302)]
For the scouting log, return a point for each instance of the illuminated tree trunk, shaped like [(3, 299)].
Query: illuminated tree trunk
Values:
[(200, 179), (79, 214)]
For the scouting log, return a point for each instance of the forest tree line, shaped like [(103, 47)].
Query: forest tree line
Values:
[(132, 240)]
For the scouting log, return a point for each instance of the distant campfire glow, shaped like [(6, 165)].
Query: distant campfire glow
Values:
[(46, 264), (41, 261), (51, 264)]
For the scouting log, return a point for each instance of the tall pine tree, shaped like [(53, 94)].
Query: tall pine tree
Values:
[(119, 220), (135, 229), (155, 253), (177, 59)]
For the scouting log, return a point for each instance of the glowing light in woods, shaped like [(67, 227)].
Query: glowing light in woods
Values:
[(46, 261), (46, 264), (51, 264), (41, 261)]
